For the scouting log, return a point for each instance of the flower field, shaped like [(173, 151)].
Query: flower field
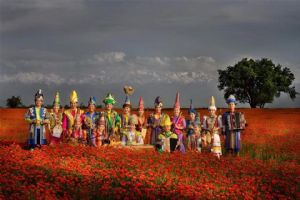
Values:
[(268, 168)]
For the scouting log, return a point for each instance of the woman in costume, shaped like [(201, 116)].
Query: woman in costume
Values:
[(168, 141), (73, 120), (233, 123), (194, 118), (178, 123), (154, 121), (112, 119), (55, 118), (37, 118), (90, 119), (212, 125), (141, 125)]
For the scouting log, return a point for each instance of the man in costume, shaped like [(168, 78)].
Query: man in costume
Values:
[(212, 125), (154, 121), (168, 141), (37, 118), (73, 120), (126, 114), (233, 123), (194, 118), (90, 120), (141, 125), (55, 118), (178, 123), (112, 119)]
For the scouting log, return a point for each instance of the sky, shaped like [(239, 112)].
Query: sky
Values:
[(157, 47)]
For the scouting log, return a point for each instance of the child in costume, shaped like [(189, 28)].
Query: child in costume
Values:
[(133, 137), (194, 118), (233, 123), (55, 118), (73, 120), (168, 141), (126, 114), (196, 143), (178, 123), (154, 121), (90, 119), (37, 118), (212, 125)]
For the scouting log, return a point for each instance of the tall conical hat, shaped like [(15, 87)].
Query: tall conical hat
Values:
[(212, 104), (127, 102), (109, 99), (231, 99), (141, 104), (192, 109), (166, 121), (56, 101), (39, 95), (158, 101), (177, 101), (92, 100), (73, 97)]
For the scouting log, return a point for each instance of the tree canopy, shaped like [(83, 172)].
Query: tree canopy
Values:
[(14, 102), (256, 82)]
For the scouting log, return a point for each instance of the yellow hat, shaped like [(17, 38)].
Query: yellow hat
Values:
[(212, 104), (73, 97), (166, 121)]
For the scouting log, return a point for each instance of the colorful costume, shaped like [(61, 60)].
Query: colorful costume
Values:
[(154, 122), (133, 137), (112, 119), (73, 120), (100, 133), (179, 124), (211, 126), (168, 141), (233, 123), (141, 125), (90, 120), (190, 123), (55, 125), (125, 116), (37, 117)]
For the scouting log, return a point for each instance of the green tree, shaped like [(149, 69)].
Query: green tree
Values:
[(256, 82), (14, 102)]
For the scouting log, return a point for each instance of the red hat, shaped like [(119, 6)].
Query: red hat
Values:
[(177, 101), (141, 104)]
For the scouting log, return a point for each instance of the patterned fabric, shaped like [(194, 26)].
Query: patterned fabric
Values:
[(156, 128), (90, 120), (72, 122), (179, 121), (55, 119), (112, 122)]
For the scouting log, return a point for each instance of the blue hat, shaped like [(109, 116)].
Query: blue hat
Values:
[(231, 99), (191, 109), (92, 100), (39, 95), (158, 101)]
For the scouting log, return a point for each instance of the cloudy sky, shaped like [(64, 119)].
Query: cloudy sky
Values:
[(158, 47)]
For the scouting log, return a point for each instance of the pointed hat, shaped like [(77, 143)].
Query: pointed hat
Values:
[(192, 109), (212, 104), (56, 101), (73, 97), (177, 101), (39, 95), (166, 121), (92, 100), (109, 99), (141, 104)]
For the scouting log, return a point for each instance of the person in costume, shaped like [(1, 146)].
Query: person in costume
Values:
[(100, 133), (133, 137), (196, 139), (141, 125), (37, 118), (112, 119), (55, 118), (233, 123), (154, 121), (73, 120), (168, 141), (126, 114), (212, 126), (178, 123), (90, 119), (194, 118)]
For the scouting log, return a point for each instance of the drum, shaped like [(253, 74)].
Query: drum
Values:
[(57, 130)]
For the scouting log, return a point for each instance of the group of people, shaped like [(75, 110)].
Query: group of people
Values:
[(165, 133)]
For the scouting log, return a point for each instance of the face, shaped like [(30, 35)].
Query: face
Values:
[(158, 109), (55, 108), (212, 112), (109, 106), (126, 110), (132, 127), (38, 102), (92, 107), (192, 116), (231, 106), (196, 128), (73, 105), (140, 112), (167, 128), (101, 127), (176, 111)]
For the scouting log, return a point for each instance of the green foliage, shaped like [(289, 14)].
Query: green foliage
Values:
[(14, 102), (256, 82)]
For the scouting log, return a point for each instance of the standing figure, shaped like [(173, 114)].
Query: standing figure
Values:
[(100, 133), (154, 121), (168, 141), (178, 123), (37, 118), (233, 123), (55, 118), (141, 125), (194, 118), (112, 119), (90, 119), (73, 120), (133, 137), (196, 142), (126, 114)]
